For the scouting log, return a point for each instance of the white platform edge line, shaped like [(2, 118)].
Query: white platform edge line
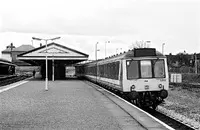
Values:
[(13, 86), (159, 121)]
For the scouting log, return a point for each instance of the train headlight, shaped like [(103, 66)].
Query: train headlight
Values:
[(163, 94), (132, 87), (146, 87), (160, 86)]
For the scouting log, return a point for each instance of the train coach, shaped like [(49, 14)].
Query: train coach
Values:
[(139, 74), (6, 67)]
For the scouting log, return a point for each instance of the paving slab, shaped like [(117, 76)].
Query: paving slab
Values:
[(68, 104)]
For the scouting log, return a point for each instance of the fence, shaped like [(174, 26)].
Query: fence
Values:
[(184, 77), (183, 69)]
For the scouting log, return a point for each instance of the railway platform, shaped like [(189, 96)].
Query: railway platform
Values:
[(68, 104)]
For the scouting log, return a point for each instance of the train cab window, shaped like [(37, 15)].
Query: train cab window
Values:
[(132, 69), (159, 69), (146, 69)]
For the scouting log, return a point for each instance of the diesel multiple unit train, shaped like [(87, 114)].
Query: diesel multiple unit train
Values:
[(139, 74)]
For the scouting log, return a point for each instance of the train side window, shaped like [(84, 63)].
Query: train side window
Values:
[(111, 70), (106, 70), (132, 69), (117, 70), (102, 70)]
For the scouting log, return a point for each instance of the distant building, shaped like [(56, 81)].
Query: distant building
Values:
[(6, 54), (11, 52)]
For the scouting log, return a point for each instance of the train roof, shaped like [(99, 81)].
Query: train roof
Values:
[(142, 52), (137, 52), (6, 62)]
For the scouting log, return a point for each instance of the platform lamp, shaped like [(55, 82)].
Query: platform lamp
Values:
[(40, 39), (105, 47), (96, 58), (163, 48)]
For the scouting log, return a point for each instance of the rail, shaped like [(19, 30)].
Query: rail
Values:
[(5, 80)]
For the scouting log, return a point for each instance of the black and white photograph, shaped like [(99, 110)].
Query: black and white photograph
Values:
[(100, 64)]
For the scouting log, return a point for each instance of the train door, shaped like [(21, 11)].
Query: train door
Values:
[(121, 74)]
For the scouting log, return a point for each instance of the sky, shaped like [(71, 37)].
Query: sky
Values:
[(83, 23)]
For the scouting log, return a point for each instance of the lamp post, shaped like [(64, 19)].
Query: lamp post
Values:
[(53, 67), (96, 58), (96, 51), (163, 48), (147, 44), (105, 47), (40, 39)]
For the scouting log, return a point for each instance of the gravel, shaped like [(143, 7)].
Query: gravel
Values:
[(183, 104)]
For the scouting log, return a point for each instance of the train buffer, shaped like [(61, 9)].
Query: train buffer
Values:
[(68, 104)]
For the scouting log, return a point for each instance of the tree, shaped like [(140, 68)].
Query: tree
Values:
[(140, 44)]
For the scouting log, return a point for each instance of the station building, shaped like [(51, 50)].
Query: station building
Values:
[(11, 52), (59, 58)]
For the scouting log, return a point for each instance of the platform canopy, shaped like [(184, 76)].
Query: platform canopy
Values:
[(6, 62), (54, 52)]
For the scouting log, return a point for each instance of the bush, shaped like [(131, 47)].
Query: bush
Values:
[(195, 78)]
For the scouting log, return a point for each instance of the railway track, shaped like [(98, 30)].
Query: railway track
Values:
[(12, 79), (177, 125)]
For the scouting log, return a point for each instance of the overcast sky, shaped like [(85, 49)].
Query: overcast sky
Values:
[(82, 23)]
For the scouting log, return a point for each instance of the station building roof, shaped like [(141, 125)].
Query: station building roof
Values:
[(22, 48), (54, 51)]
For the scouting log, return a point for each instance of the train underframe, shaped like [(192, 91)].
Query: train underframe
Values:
[(144, 99), (147, 98)]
